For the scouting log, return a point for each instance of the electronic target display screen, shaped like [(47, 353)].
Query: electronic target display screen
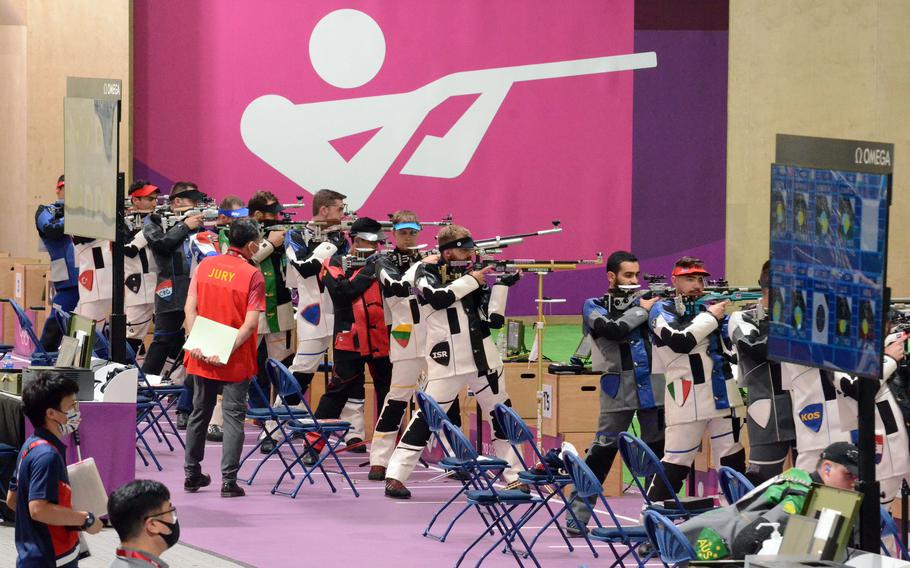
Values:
[(828, 258)]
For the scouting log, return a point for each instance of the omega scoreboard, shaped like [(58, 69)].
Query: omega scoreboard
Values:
[(829, 233)]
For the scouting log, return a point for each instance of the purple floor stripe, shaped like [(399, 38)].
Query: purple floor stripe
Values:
[(320, 528)]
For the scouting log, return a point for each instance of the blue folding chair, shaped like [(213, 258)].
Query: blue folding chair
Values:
[(588, 489), (518, 434), (315, 433), (889, 528), (644, 465), (671, 544), (40, 356), (435, 417), (280, 416), (62, 317), (153, 404), (733, 484), (500, 502)]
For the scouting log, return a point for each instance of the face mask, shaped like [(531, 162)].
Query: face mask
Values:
[(170, 539), (73, 419)]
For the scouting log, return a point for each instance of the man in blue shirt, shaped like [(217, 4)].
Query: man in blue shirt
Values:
[(47, 527), (64, 273)]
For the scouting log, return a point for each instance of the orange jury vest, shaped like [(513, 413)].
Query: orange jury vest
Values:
[(222, 291)]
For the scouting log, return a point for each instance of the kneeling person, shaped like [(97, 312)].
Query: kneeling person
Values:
[(733, 531)]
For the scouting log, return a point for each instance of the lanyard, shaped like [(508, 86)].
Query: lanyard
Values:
[(235, 252), (137, 555)]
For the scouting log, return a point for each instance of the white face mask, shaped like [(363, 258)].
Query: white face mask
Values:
[(73, 419)]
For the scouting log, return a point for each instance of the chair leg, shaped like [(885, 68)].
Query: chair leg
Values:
[(498, 521), (554, 518), (584, 532), (344, 471), (426, 531), (150, 452), (516, 530), (142, 456)]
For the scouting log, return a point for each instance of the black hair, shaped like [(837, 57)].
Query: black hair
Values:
[(183, 186), (138, 184), (45, 391), (261, 200), (130, 505), (615, 260), (764, 279), (243, 232), (690, 262)]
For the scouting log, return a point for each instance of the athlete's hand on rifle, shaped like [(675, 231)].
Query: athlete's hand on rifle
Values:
[(896, 349), (431, 259), (717, 310), (509, 279), (193, 222), (276, 238), (480, 274), (649, 303)]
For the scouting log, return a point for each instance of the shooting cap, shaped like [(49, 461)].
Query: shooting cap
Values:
[(235, 213), (60, 181), (697, 270), (144, 191), (190, 192), (466, 243), (406, 225), (275, 208), (845, 454), (367, 229)]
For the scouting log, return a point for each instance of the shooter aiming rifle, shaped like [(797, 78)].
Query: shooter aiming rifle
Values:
[(321, 230)]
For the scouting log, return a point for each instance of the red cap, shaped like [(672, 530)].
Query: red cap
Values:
[(696, 270), (144, 191)]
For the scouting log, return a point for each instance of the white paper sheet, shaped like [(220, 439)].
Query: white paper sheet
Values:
[(212, 338)]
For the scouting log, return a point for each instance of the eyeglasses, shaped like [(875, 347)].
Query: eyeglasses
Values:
[(171, 510)]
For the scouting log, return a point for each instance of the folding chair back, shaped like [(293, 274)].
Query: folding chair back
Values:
[(432, 412), (102, 347), (25, 324), (285, 384), (733, 484), (461, 446), (62, 317), (586, 484), (670, 542), (518, 434), (643, 465), (889, 528)]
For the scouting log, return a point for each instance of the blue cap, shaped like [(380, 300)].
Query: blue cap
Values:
[(234, 213), (406, 225)]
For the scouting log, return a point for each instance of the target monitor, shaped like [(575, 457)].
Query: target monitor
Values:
[(828, 239), (90, 146)]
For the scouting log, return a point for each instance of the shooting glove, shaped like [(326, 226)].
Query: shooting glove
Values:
[(509, 279), (337, 239)]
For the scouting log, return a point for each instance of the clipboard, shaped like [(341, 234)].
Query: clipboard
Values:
[(212, 338)]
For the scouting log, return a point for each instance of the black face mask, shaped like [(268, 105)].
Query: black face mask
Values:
[(170, 539)]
